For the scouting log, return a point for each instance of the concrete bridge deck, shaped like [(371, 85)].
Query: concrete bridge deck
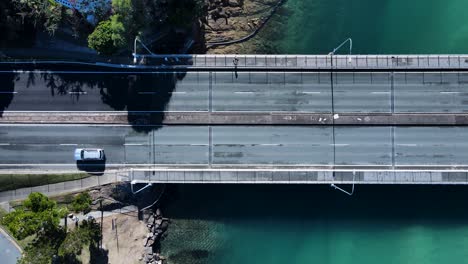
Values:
[(263, 62), (354, 62), (298, 176), (237, 98), (372, 92)]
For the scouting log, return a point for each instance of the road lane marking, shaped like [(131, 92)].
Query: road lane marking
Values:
[(8, 92), (380, 92), (178, 92), (4, 144), (311, 92), (77, 92), (133, 144), (66, 144), (407, 145), (339, 145), (269, 144), (449, 92), (241, 92)]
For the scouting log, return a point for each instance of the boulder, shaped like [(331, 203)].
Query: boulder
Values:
[(233, 3), (158, 221), (164, 225), (151, 219), (148, 250)]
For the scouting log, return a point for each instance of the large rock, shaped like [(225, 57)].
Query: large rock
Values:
[(151, 219), (158, 222), (164, 225), (233, 3), (148, 251)]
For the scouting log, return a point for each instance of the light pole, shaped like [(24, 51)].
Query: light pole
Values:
[(341, 45), (333, 117), (134, 50), (340, 189)]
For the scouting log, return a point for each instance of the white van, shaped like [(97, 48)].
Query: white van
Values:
[(89, 154)]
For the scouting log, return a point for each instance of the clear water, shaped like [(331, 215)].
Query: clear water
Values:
[(376, 27), (316, 224)]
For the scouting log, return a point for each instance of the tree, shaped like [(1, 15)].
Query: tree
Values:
[(118, 31), (38, 202), (108, 36), (81, 203), (41, 214), (87, 234), (45, 12), (122, 7)]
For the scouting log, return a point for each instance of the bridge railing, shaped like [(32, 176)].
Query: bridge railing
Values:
[(299, 176), (316, 61)]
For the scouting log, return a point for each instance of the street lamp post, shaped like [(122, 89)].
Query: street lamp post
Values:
[(134, 50), (334, 116)]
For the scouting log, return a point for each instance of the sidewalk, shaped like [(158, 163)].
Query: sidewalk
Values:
[(64, 187)]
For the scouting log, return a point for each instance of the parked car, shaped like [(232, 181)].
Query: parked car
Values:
[(89, 154)]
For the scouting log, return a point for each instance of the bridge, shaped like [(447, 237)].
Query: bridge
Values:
[(244, 118)]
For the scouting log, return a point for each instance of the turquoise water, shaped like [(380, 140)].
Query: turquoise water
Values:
[(376, 27), (316, 224)]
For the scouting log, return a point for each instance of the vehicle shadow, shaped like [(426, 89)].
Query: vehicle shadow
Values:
[(95, 167)]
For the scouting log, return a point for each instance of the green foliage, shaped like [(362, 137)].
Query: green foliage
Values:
[(38, 202), (118, 31), (87, 234), (38, 253), (40, 217), (17, 181), (65, 247), (82, 203), (41, 214), (123, 7), (45, 12), (108, 36)]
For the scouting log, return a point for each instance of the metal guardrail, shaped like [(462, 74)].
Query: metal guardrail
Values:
[(300, 176), (320, 61)]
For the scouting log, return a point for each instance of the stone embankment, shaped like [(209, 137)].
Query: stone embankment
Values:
[(157, 226)]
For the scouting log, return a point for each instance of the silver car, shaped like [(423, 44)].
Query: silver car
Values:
[(89, 154)]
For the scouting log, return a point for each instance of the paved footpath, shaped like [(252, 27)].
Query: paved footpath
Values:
[(64, 187)]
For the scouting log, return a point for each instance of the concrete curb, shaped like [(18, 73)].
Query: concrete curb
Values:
[(234, 118)]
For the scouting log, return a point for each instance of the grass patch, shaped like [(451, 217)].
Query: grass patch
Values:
[(17, 181)]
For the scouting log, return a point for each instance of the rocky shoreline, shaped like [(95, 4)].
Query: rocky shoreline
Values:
[(157, 226), (233, 20)]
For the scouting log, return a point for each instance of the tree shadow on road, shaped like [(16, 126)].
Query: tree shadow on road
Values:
[(146, 98), (144, 95), (7, 89)]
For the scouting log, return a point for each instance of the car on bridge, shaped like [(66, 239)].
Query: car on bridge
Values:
[(89, 154)]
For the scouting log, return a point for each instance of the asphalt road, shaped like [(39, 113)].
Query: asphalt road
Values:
[(380, 92), (36, 146)]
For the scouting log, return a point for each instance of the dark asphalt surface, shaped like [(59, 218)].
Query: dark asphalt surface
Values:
[(360, 92), (36, 146)]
